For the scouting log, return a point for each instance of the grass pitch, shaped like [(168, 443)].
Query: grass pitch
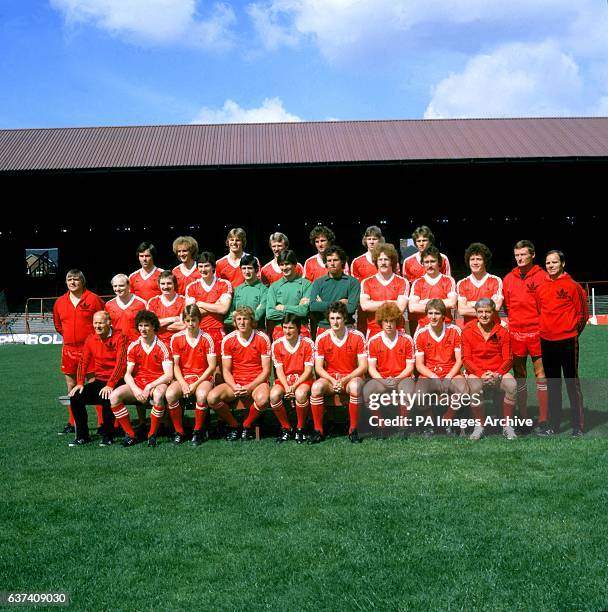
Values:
[(437, 524)]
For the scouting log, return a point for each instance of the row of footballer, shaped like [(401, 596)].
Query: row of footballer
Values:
[(294, 294)]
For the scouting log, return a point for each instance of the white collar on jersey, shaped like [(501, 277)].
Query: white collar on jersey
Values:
[(148, 349), (238, 262), (168, 302), (368, 256), (320, 261), (275, 266), (478, 283), (438, 338), (194, 342), (187, 271), (288, 346), (124, 306), (387, 341), (335, 339), (383, 281), (245, 342), (432, 281), (207, 287), (148, 275)]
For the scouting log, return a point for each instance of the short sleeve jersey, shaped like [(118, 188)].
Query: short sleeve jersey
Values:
[(123, 315), (193, 355), (426, 288), (439, 351), (148, 361), (380, 290), (341, 356), (229, 270), (391, 358), (246, 355), (271, 272), (471, 289), (412, 267), (145, 285), (185, 276), (314, 268), (293, 360), (199, 291), (164, 308)]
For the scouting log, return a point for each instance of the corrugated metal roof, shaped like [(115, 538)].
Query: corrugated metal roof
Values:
[(301, 143)]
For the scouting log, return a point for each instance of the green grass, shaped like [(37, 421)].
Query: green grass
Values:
[(435, 524)]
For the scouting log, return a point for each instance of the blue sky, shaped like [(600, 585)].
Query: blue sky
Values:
[(136, 62)]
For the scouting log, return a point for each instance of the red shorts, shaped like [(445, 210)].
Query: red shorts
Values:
[(308, 382), (192, 378), (525, 343), (142, 381), (70, 357)]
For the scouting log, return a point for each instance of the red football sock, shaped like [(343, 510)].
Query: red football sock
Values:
[(71, 420), (281, 414), (200, 412), (175, 412), (507, 407), (223, 411), (353, 412), (317, 408), (543, 401), (302, 414), (99, 410), (122, 416), (522, 398), (156, 416), (252, 417)]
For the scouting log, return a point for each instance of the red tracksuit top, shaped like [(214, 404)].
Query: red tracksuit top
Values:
[(562, 304), (107, 359), (76, 323), (480, 355), (519, 298)]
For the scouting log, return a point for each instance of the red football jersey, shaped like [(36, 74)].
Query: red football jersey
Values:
[(480, 355), (314, 268), (363, 267), (380, 290), (164, 308), (192, 354), (520, 298), (340, 355), (471, 289), (231, 271), (145, 285), (75, 323), (106, 358), (271, 272), (439, 351), (185, 276), (391, 358), (123, 315), (199, 291), (426, 288), (246, 355), (293, 360), (412, 267), (148, 362)]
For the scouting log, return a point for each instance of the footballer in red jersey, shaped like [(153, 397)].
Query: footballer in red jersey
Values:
[(439, 358), (168, 306), (413, 266), (73, 319), (321, 238), (364, 266), (144, 282), (229, 266), (272, 272), (212, 295), (246, 368), (519, 289), (433, 285), (105, 356), (149, 371), (486, 350), (293, 358), (124, 307), (194, 363), (479, 284), (340, 364), (391, 357), (186, 250), (384, 286)]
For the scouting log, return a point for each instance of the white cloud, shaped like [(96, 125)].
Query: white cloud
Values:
[(267, 23), (156, 21), (514, 80), (271, 111)]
